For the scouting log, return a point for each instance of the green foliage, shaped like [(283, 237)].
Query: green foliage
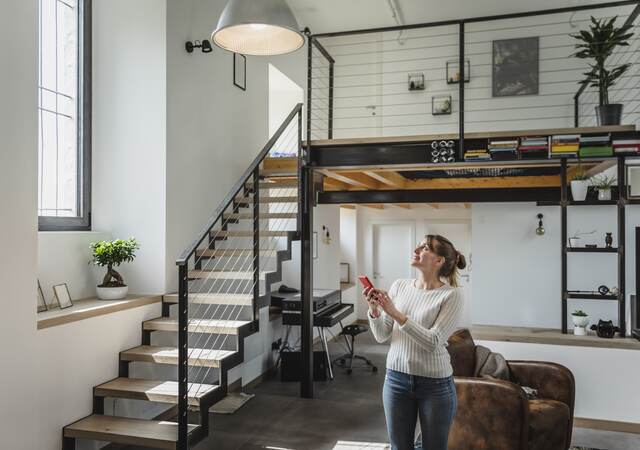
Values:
[(114, 253), (604, 182), (579, 313), (581, 174), (598, 44)]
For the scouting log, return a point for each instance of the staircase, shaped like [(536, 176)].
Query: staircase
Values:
[(225, 277)]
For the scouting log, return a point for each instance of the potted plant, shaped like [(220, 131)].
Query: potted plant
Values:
[(603, 184), (110, 254), (598, 44), (580, 321), (580, 184)]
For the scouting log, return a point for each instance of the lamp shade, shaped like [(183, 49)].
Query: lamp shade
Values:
[(257, 27)]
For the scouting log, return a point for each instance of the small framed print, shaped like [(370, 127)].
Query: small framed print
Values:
[(441, 105), (42, 304), (453, 71), (344, 273), (633, 181), (416, 82), (240, 71), (61, 293)]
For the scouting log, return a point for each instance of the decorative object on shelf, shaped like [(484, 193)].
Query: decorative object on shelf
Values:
[(443, 151), (441, 105), (633, 181), (515, 67), (603, 184), (416, 82), (453, 71), (573, 240), (315, 245), (603, 290), (605, 329), (62, 296), (326, 236), (614, 290), (580, 321), (540, 230), (240, 71), (580, 184), (608, 240), (42, 303), (345, 275), (205, 45), (110, 254), (598, 43)]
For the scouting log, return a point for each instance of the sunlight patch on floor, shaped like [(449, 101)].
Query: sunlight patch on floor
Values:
[(351, 445)]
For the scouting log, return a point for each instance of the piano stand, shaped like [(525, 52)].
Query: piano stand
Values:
[(325, 348)]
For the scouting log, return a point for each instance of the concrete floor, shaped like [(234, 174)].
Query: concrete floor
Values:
[(345, 415)]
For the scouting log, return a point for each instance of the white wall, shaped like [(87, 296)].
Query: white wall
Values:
[(129, 127), (284, 94)]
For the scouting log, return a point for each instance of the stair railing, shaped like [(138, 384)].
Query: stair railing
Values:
[(288, 135)]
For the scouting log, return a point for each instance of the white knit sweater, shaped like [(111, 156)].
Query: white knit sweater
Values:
[(419, 346)]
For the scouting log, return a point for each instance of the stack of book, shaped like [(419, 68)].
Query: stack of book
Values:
[(626, 146), (477, 155), (503, 150), (595, 146), (534, 147), (564, 145)]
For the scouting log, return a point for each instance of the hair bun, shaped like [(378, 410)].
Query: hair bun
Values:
[(461, 262)]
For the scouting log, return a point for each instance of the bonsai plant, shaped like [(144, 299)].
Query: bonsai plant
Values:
[(597, 44), (110, 254), (580, 321), (603, 184), (580, 184)]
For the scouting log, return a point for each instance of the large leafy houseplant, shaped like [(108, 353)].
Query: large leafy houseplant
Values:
[(109, 254), (597, 44)]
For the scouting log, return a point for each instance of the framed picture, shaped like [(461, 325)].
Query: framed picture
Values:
[(315, 245), (633, 181), (61, 293), (42, 304), (416, 82), (344, 273), (515, 65), (240, 71), (453, 71), (441, 105)]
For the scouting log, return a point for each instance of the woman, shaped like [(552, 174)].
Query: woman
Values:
[(419, 316)]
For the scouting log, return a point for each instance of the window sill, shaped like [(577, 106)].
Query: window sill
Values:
[(92, 307)]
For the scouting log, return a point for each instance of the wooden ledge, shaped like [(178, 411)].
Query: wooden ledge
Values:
[(92, 307), (549, 336)]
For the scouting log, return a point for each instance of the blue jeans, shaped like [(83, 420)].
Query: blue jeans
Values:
[(409, 397)]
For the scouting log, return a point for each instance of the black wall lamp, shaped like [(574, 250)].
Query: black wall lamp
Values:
[(205, 45)]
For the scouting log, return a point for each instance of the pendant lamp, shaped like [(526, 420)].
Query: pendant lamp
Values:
[(258, 27)]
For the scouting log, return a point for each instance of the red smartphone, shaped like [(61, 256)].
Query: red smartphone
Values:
[(366, 283)]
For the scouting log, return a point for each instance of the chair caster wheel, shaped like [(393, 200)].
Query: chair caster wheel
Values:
[(349, 371), (374, 369)]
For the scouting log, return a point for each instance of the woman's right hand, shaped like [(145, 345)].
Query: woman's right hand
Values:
[(370, 295)]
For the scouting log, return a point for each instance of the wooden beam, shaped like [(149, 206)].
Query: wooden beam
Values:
[(393, 179), (373, 205), (331, 184), (402, 205), (348, 206), (599, 168), (484, 182), (352, 178)]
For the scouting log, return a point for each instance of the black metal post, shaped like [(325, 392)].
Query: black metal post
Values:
[(309, 90), (563, 239), (306, 283), (256, 242), (183, 357), (576, 109), (622, 200), (461, 95), (331, 76), (300, 164)]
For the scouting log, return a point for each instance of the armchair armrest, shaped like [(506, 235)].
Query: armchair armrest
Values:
[(491, 415)]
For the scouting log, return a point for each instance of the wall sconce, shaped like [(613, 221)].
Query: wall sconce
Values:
[(205, 45), (326, 236), (540, 230)]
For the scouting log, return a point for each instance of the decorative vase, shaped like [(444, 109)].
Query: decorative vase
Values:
[(112, 293), (580, 325), (604, 194), (579, 190), (608, 240), (610, 114)]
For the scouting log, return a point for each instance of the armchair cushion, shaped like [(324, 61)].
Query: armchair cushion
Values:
[(548, 422)]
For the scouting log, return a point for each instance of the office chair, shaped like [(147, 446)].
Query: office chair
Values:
[(341, 361)]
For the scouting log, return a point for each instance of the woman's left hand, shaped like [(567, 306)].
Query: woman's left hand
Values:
[(387, 305)]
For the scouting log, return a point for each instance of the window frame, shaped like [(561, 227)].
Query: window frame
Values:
[(84, 105)]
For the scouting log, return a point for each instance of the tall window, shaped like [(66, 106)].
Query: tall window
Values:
[(64, 109)]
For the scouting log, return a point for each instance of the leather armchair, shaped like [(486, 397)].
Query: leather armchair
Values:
[(496, 414)]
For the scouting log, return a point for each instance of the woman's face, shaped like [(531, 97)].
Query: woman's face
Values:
[(426, 259)]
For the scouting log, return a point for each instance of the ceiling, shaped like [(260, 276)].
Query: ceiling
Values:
[(323, 16)]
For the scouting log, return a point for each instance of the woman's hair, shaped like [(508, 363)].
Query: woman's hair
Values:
[(453, 259)]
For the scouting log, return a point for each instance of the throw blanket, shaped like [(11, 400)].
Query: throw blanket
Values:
[(493, 365)]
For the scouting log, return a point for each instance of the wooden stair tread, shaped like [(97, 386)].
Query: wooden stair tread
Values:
[(284, 183), (152, 390), (240, 216), (214, 299), (169, 355), (282, 172), (123, 430), (231, 252), (196, 325), (264, 199), (248, 233), (224, 275)]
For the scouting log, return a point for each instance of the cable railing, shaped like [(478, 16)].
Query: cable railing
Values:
[(224, 273)]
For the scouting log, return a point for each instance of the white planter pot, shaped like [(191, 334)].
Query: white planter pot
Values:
[(604, 194), (579, 190), (112, 293), (580, 325)]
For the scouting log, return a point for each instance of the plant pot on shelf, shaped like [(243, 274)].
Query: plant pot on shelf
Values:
[(604, 194), (580, 325), (112, 292), (579, 190), (610, 114)]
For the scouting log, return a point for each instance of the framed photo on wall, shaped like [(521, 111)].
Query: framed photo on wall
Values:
[(61, 293), (633, 181), (440, 105), (515, 65), (240, 71), (344, 273), (453, 71), (42, 303)]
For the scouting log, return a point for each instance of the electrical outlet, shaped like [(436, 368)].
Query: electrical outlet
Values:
[(275, 345)]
